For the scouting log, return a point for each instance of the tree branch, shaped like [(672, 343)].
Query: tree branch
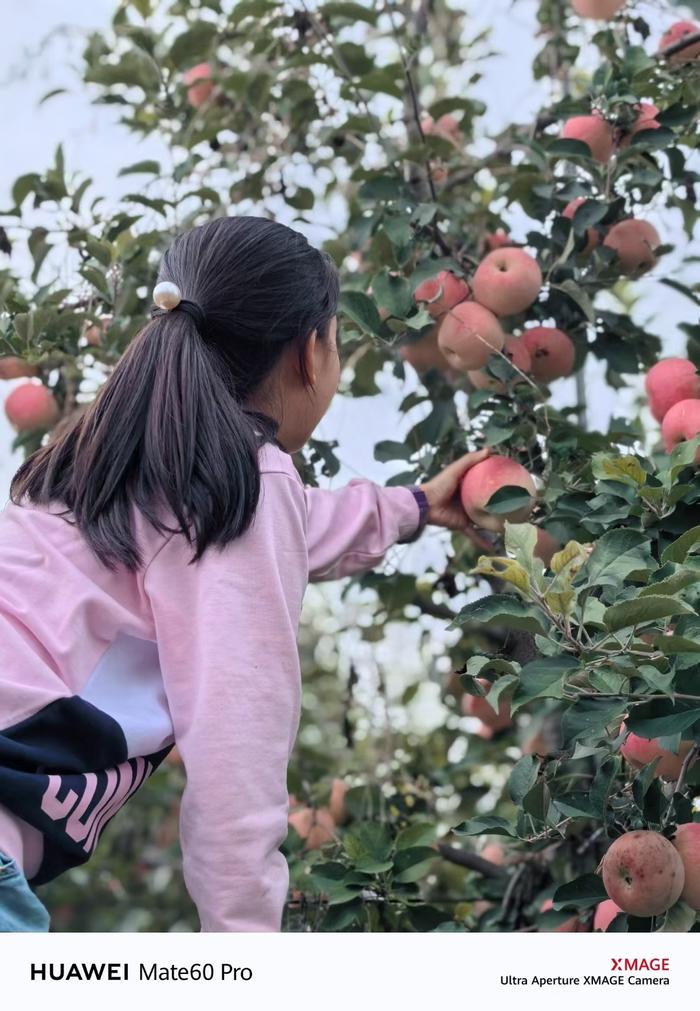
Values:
[(678, 47), (472, 861)]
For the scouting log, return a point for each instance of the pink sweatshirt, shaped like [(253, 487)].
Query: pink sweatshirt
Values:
[(102, 672)]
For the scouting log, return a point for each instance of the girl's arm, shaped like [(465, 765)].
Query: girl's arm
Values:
[(226, 630), (351, 529)]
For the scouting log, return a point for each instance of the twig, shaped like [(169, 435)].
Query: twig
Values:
[(678, 47), (472, 861)]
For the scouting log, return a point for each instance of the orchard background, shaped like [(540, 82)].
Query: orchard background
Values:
[(431, 813)]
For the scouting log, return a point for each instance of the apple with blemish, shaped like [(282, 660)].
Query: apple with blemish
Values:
[(670, 381), (643, 873), (441, 293), (594, 131), (641, 751), (552, 352), (634, 242), (515, 350), (507, 281), (481, 483), (681, 422), (469, 334)]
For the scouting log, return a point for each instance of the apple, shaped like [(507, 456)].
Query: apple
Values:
[(676, 33), (552, 352), (494, 852), (438, 173), (314, 825), (445, 126), (442, 292), (424, 354), (591, 234), (571, 926), (31, 406), (481, 482), (336, 805), (468, 336), (16, 368), (515, 350), (497, 240), (681, 422), (643, 873), (667, 382), (507, 281), (634, 242), (640, 751), (594, 131), (200, 85), (546, 547), (475, 705), (687, 843), (646, 120), (605, 913), (601, 10)]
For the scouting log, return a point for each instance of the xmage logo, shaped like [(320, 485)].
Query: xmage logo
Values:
[(641, 964)]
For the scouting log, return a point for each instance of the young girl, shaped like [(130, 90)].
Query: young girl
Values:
[(153, 560)]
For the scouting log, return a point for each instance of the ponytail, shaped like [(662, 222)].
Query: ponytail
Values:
[(169, 431)]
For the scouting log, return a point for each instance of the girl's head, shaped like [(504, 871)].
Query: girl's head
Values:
[(179, 422)]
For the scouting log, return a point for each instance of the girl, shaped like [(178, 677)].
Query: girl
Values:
[(153, 560)]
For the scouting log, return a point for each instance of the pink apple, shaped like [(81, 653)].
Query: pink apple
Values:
[(668, 382)]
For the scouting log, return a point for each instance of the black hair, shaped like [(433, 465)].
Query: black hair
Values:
[(170, 427)]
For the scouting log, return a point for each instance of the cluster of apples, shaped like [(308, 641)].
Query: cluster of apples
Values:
[(31, 405), (603, 10), (317, 825), (673, 389)]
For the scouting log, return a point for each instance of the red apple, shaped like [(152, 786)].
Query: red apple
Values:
[(31, 406), (668, 382), (546, 547), (482, 482), (594, 131), (336, 804), (681, 422), (687, 843), (591, 234), (445, 126), (676, 33), (634, 242), (519, 355), (497, 240), (601, 10), (468, 336), (507, 281), (605, 913), (552, 352), (643, 873), (314, 825), (442, 292), (640, 751), (200, 85)]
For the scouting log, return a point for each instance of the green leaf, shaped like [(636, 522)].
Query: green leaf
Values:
[(679, 549), (302, 200), (502, 609), (663, 717), (569, 149), (672, 582), (368, 846), (193, 45), (347, 11), (522, 778), (543, 678), (626, 469), (97, 279), (587, 718), (581, 893), (392, 293), (616, 554), (148, 167), (414, 863), (361, 309), (640, 609), (418, 834), (485, 825), (678, 920), (508, 499)]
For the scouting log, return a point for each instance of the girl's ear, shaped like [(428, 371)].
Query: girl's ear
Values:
[(309, 357)]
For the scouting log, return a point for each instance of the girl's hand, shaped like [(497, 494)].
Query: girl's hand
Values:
[(442, 492)]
